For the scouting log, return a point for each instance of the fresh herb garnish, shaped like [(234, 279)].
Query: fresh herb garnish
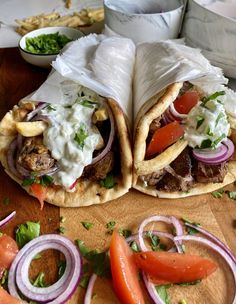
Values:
[(46, 43), (209, 132), (125, 232), (206, 143), (134, 246), (212, 97), (200, 119), (162, 291), (3, 280), (61, 230), (84, 281), (46, 180), (191, 230), (218, 140), (80, 136), (232, 195), (37, 257), (39, 281), (50, 108), (100, 263), (87, 225), (27, 232), (88, 103), (61, 268), (28, 181), (110, 226), (108, 182), (221, 115), (218, 193)]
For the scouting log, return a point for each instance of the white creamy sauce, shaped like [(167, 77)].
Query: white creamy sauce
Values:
[(206, 124), (70, 136)]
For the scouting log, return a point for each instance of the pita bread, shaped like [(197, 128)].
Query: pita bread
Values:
[(87, 192), (142, 167)]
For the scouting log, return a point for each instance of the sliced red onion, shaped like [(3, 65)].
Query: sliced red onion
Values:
[(217, 156), (11, 159), (152, 290), (39, 107), (214, 239), (159, 218), (89, 291), (7, 219), (216, 248), (110, 139), (19, 141), (176, 114), (60, 291)]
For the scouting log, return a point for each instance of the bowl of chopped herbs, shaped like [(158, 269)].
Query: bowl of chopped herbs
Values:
[(40, 47)]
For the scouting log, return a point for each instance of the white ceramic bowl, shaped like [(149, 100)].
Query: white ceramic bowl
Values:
[(44, 60), (144, 21), (211, 26)]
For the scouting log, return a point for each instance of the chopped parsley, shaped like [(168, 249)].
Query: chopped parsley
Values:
[(125, 232), (218, 193), (61, 268), (87, 225), (84, 281), (162, 291), (27, 232), (100, 262), (88, 103), (28, 181), (110, 226), (212, 97), (62, 219), (200, 119), (80, 136), (3, 279), (46, 180), (218, 140), (191, 230), (206, 143), (209, 132), (61, 230), (50, 108), (134, 246), (108, 182), (40, 280), (221, 115), (232, 194)]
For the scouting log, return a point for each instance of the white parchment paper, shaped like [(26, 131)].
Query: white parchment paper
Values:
[(102, 64)]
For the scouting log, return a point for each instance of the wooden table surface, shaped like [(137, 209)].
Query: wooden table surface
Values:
[(17, 79)]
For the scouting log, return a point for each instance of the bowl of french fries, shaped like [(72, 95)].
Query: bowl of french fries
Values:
[(40, 47)]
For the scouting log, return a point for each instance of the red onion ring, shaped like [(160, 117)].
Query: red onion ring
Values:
[(215, 157), (152, 290), (216, 248), (176, 114), (214, 239), (89, 290), (39, 107), (60, 291), (27, 173), (110, 139), (7, 219)]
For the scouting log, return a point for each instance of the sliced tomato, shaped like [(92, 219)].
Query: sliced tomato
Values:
[(186, 102), (8, 251), (8, 299), (174, 267), (39, 192), (124, 271), (164, 137)]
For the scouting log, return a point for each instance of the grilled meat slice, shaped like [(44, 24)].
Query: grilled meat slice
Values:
[(100, 169), (153, 178), (155, 124), (34, 156), (178, 175), (205, 173)]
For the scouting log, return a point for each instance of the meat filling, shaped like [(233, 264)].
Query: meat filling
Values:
[(34, 156), (205, 173)]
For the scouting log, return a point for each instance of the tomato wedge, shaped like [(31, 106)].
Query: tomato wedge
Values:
[(8, 299), (184, 103), (164, 137), (124, 271), (8, 251), (39, 192), (174, 267)]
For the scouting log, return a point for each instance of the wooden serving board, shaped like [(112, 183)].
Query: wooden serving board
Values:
[(17, 79)]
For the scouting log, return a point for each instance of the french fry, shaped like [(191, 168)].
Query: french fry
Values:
[(83, 18)]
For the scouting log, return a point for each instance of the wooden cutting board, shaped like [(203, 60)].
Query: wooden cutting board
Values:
[(17, 79)]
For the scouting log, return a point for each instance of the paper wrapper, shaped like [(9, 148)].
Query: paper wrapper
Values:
[(160, 64), (102, 64)]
